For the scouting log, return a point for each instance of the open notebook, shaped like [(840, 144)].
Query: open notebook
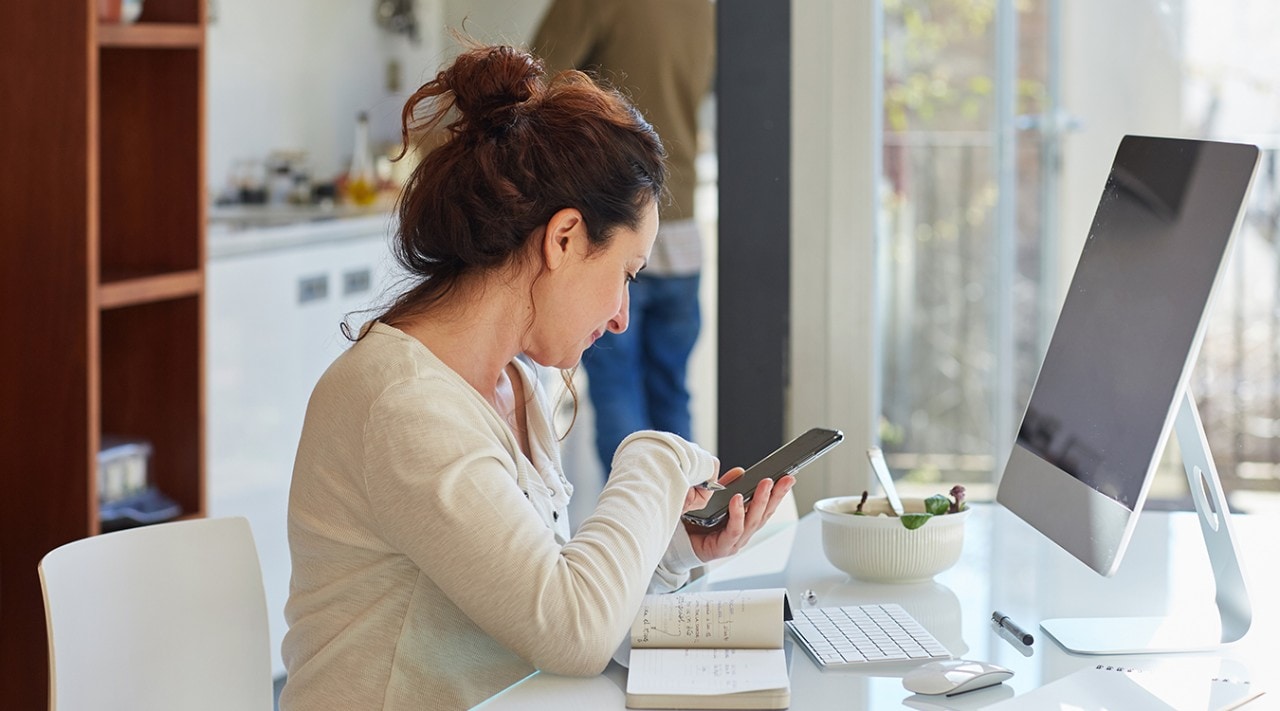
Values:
[(718, 650)]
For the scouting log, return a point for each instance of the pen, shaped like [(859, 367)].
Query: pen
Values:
[(710, 485), (1003, 620)]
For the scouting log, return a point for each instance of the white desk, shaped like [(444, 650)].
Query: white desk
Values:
[(1006, 565)]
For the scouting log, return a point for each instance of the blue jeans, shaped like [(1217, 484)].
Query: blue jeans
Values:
[(636, 379)]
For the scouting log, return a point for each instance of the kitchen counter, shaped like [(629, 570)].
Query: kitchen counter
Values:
[(250, 229)]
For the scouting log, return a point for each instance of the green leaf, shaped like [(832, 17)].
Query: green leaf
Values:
[(913, 521), (937, 504)]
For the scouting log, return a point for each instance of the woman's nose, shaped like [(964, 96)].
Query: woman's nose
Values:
[(618, 323)]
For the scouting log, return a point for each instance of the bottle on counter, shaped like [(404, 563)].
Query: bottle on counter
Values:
[(362, 182), (279, 184)]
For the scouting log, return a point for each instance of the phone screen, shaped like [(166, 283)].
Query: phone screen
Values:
[(788, 459)]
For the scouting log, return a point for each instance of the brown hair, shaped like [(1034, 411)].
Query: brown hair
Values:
[(520, 147)]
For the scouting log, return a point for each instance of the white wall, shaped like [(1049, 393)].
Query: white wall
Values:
[(293, 74), (1118, 80), (834, 185)]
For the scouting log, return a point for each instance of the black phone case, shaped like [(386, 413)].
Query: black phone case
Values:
[(787, 459)]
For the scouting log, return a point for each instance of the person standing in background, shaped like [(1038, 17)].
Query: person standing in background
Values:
[(661, 53)]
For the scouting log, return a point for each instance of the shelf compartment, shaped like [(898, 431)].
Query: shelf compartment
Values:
[(129, 290), (166, 11), (152, 387), (150, 150), (150, 35)]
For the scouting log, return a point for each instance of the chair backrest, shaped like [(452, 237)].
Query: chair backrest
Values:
[(169, 616)]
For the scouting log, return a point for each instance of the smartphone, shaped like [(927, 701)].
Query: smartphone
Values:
[(787, 459)]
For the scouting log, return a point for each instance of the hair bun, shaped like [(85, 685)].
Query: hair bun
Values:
[(490, 84)]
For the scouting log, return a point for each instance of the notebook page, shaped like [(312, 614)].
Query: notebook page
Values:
[(706, 671), (717, 619)]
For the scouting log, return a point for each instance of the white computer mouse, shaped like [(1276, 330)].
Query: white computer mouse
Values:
[(954, 676)]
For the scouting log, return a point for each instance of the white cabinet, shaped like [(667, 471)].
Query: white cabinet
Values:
[(276, 299)]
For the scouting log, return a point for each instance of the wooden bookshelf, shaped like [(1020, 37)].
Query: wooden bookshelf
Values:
[(151, 36), (147, 289), (102, 265)]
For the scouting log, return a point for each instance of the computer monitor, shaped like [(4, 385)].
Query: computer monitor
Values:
[(1115, 376)]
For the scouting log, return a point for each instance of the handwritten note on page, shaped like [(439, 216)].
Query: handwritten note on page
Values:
[(706, 671), (744, 619)]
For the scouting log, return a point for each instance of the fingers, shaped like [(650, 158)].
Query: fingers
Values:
[(733, 528), (767, 496), (732, 475), (759, 505), (743, 520), (696, 498), (780, 490)]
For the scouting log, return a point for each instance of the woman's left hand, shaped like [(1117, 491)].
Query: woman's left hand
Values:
[(698, 497), (743, 521)]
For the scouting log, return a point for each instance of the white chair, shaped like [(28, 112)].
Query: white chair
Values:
[(170, 616)]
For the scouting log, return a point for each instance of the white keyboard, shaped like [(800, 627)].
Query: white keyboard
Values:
[(864, 634)]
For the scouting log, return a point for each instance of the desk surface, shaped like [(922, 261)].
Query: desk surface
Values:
[(1006, 565)]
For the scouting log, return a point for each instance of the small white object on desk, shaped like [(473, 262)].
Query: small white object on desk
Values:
[(954, 676)]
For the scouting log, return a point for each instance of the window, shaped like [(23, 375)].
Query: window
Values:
[(1000, 121)]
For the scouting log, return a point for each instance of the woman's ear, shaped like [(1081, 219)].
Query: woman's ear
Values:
[(564, 230)]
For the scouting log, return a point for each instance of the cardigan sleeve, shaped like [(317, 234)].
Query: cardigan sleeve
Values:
[(677, 563), (442, 484)]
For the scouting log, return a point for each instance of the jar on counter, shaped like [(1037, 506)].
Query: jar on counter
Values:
[(362, 182)]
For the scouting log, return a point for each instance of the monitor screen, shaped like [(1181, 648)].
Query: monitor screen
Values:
[(1118, 361)]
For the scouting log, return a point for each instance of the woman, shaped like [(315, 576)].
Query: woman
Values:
[(432, 561)]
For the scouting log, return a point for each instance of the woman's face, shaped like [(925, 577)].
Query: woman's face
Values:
[(585, 294)]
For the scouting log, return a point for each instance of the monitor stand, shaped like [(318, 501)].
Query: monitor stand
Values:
[(1138, 635)]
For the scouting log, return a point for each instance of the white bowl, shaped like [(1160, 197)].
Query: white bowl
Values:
[(879, 548)]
